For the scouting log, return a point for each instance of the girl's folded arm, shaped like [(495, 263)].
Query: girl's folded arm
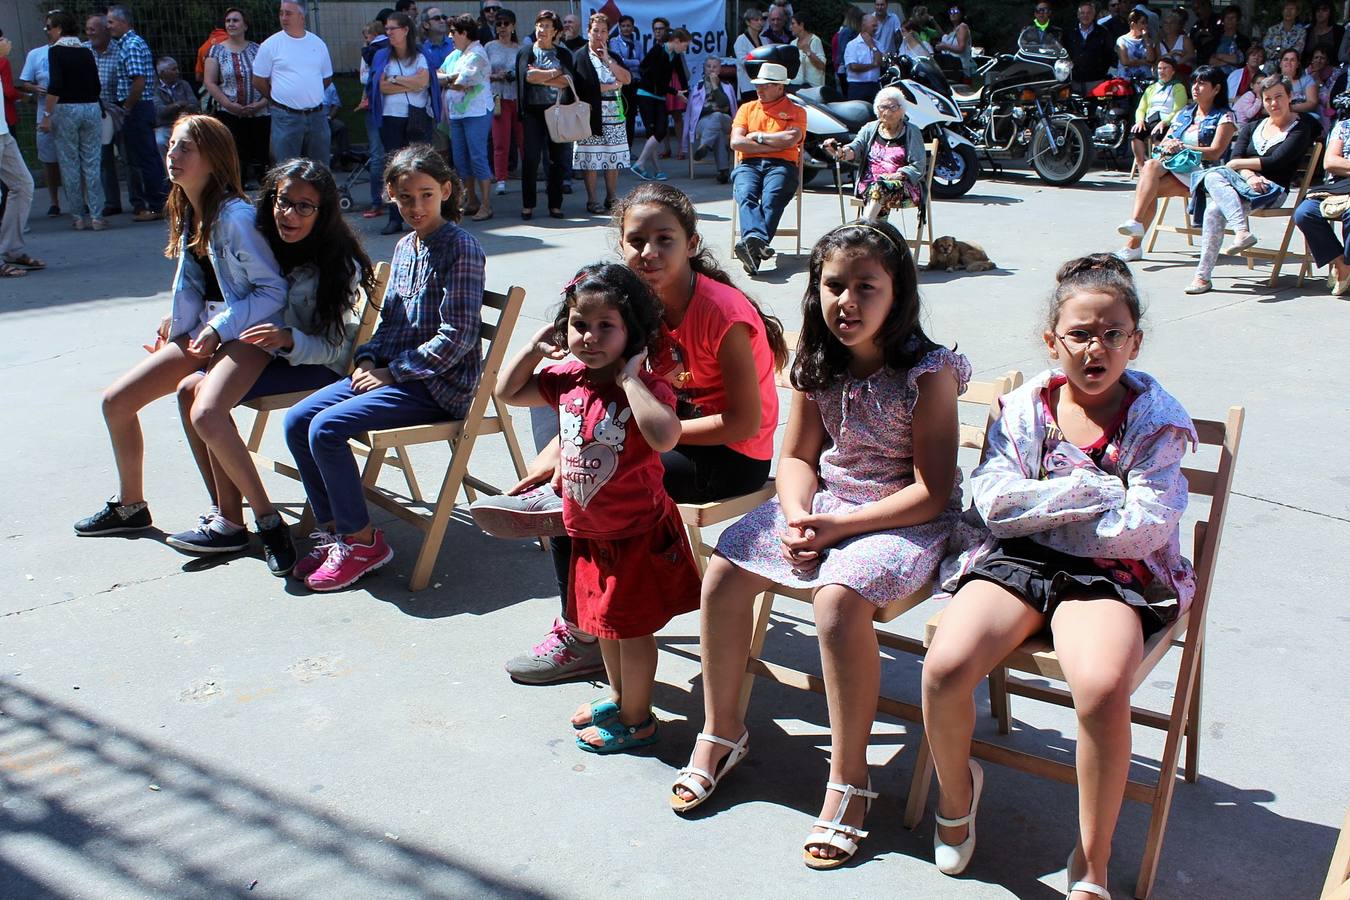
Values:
[(267, 287), (460, 311), (1148, 514), (1014, 505), (937, 436), (799, 460)]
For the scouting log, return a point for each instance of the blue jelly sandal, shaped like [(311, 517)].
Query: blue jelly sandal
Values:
[(619, 738), (602, 710)]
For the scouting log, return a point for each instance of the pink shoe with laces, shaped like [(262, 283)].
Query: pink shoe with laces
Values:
[(309, 564), (347, 562)]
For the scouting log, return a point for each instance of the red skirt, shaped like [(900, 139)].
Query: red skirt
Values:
[(631, 587)]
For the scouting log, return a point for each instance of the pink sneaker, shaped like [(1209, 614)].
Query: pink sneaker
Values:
[(347, 562), (309, 564)]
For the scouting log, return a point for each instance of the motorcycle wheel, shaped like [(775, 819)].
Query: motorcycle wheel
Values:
[(1073, 159), (955, 172)]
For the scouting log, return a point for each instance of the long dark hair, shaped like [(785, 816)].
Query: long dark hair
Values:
[(675, 200), (331, 245), (623, 289), (215, 143), (1215, 77), (424, 158), (821, 358)]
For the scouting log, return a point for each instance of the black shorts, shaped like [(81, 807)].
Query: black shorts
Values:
[(1045, 578), (655, 117)]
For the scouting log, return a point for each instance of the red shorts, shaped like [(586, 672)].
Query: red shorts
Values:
[(631, 587)]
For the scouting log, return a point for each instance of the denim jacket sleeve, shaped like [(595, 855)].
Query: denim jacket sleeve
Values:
[(188, 284), (245, 261), (317, 349)]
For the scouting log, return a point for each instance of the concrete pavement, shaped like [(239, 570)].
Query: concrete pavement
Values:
[(178, 728)]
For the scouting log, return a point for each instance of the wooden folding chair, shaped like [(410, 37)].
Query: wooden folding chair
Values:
[(460, 435), (1037, 657), (924, 221), (794, 232), (697, 516), (1337, 886), (1304, 175), (263, 407)]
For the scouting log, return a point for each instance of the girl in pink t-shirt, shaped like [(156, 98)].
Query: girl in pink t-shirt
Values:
[(631, 569)]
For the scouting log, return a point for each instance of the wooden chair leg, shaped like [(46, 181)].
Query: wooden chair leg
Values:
[(1000, 701), (1282, 252), (440, 518), (763, 608), (370, 475), (919, 785), (255, 434), (1193, 722), (1159, 216), (697, 546), (512, 441), (306, 523), (404, 464)]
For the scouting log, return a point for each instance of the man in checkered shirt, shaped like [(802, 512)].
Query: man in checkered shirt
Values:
[(100, 43), (135, 69)]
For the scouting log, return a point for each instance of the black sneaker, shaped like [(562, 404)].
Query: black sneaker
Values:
[(206, 539), (700, 152), (111, 520), (278, 549), (760, 248), (749, 259), (723, 176)]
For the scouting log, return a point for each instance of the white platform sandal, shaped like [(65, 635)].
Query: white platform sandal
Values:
[(836, 834), (1086, 887), (952, 859), (688, 777)]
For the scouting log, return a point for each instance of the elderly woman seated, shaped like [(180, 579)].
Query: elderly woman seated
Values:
[(1203, 129), (890, 155), (1317, 228)]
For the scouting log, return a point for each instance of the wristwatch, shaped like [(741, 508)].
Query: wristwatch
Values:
[(758, 138)]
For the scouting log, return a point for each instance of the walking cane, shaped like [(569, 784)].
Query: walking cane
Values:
[(839, 184)]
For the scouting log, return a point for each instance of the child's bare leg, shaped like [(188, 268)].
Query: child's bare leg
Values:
[(852, 669), (982, 625), (631, 664), (233, 371), (1099, 644), (726, 620), (610, 653), (187, 394), (153, 377)]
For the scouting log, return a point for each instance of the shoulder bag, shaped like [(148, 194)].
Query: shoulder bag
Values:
[(568, 122)]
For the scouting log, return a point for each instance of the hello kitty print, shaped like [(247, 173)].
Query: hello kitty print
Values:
[(611, 477)]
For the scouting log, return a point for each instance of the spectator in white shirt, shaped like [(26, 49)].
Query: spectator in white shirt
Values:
[(292, 69), (888, 27), (862, 58)]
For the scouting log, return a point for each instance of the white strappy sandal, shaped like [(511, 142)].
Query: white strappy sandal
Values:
[(1086, 887), (952, 859), (836, 833), (689, 776)]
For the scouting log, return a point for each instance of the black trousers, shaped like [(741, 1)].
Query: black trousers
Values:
[(252, 135), (537, 144), (693, 475)]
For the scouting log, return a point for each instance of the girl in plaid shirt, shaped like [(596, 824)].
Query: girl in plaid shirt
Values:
[(422, 365)]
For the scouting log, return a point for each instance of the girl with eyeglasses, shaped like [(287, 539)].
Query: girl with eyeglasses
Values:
[(325, 268), (1073, 531)]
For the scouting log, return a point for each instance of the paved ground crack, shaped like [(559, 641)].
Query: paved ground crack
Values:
[(1302, 509), (116, 586)]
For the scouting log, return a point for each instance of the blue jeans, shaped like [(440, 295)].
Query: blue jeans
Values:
[(376, 165), (762, 188), (863, 90), (469, 146), (319, 427), (300, 135), (1319, 233), (138, 130)]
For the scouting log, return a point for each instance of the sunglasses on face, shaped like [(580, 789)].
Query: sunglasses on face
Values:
[(437, 18)]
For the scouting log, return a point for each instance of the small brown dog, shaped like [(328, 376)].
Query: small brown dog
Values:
[(949, 254)]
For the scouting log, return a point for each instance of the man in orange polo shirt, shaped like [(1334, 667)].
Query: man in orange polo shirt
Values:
[(768, 132)]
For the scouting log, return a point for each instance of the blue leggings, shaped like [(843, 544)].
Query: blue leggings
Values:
[(319, 427)]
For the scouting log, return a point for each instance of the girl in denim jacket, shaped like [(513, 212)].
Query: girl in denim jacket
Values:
[(227, 281), (1074, 529)]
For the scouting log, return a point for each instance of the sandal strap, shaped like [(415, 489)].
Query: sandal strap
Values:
[(714, 739), (1089, 888), (832, 839), (953, 823), (841, 828), (849, 791), (686, 779)]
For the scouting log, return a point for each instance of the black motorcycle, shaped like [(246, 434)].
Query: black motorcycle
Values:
[(1023, 111)]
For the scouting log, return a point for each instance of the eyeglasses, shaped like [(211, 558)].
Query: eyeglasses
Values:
[(1080, 339), (1042, 10), (437, 18), (888, 107), (302, 208)]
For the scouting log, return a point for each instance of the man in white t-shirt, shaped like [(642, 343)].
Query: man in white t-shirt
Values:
[(14, 173), (292, 69), (32, 80)]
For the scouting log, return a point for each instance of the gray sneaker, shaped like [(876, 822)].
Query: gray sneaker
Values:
[(535, 513), (558, 657)]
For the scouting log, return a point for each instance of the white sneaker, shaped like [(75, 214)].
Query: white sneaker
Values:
[(1130, 254), (1132, 228), (1241, 241), (501, 188)]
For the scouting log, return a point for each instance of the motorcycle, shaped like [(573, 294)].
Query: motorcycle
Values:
[(1108, 108), (1023, 110)]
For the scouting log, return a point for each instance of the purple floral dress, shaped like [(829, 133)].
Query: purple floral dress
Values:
[(870, 455)]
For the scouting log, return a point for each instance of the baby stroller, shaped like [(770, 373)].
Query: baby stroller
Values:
[(357, 161)]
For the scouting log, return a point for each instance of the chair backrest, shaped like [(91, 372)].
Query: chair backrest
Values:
[(930, 150), (1217, 485), (1305, 173), (369, 306), (986, 393), (495, 336)]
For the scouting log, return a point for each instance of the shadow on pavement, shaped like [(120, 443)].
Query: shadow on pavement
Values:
[(93, 805)]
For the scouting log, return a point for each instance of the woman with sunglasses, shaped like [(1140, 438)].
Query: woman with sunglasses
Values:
[(507, 129), (325, 266), (957, 40), (1202, 132)]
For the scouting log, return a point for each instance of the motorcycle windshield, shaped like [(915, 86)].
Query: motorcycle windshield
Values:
[(1034, 42)]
